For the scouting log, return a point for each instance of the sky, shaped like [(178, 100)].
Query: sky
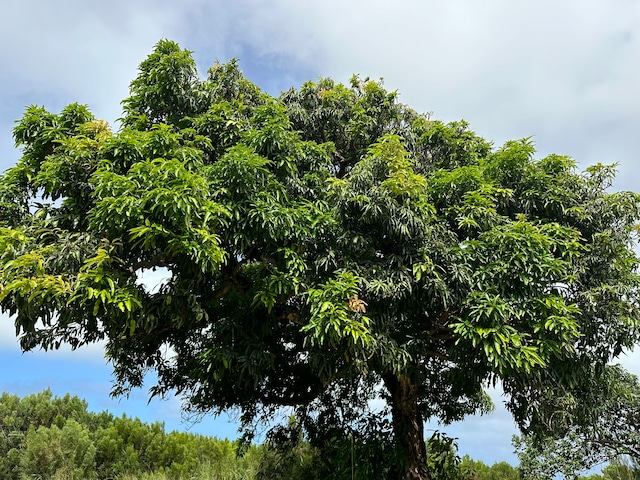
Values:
[(563, 73)]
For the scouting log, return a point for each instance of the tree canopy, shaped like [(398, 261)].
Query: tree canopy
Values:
[(322, 249)]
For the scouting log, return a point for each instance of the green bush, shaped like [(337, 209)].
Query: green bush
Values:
[(66, 452)]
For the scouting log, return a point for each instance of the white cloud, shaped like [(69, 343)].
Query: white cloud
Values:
[(153, 279), (8, 340), (563, 72), (9, 343), (631, 361), (77, 51)]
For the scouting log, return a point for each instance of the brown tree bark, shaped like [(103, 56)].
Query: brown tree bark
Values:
[(408, 427)]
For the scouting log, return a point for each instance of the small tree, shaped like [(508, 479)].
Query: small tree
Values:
[(321, 249), (620, 470), (68, 452)]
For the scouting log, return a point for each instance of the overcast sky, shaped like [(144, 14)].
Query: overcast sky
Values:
[(565, 73)]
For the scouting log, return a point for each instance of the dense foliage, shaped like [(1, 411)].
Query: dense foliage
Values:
[(321, 249), (57, 438)]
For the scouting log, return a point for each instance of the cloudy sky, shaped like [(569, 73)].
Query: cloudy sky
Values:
[(565, 73)]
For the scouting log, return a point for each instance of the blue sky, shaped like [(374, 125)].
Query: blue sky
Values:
[(565, 73)]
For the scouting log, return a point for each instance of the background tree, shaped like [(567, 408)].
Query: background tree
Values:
[(612, 433), (57, 438), (67, 452), (322, 249), (477, 470), (621, 469)]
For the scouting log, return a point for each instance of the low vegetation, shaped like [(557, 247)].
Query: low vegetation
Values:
[(55, 438), (58, 438)]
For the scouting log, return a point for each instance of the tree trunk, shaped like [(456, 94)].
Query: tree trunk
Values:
[(408, 428)]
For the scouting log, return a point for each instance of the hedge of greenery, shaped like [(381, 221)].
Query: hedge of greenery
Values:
[(47, 437), (56, 438)]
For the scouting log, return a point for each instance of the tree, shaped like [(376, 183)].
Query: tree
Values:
[(474, 469), (66, 451), (321, 249), (613, 433), (478, 470), (621, 470), (53, 437), (27, 423)]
